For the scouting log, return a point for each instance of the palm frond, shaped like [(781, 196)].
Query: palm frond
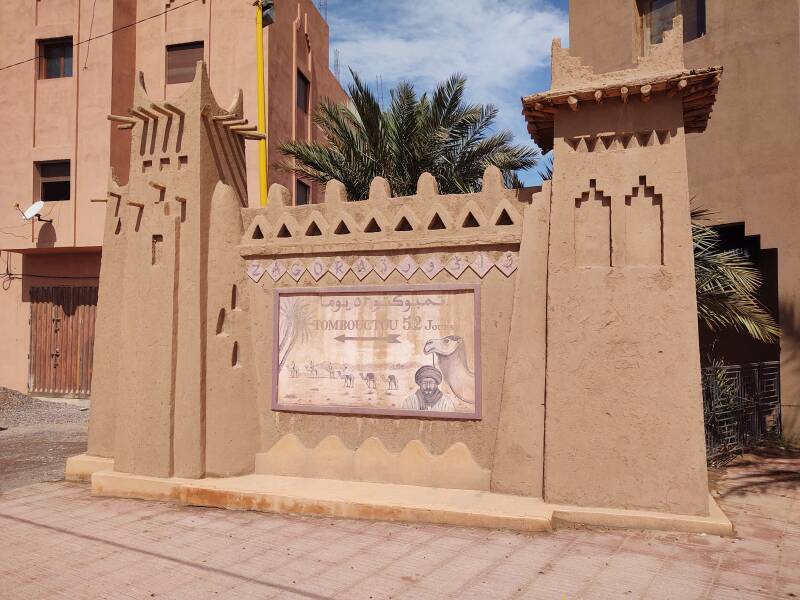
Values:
[(727, 285), (546, 168), (438, 132)]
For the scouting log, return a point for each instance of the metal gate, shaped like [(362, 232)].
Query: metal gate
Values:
[(62, 340), (742, 406)]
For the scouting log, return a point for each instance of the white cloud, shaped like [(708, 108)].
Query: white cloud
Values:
[(502, 46)]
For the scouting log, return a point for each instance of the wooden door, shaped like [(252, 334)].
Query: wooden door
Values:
[(62, 340)]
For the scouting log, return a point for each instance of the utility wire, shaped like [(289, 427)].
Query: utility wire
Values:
[(12, 275), (91, 28), (102, 35), (9, 276)]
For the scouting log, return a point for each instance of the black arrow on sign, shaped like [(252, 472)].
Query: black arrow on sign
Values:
[(392, 338)]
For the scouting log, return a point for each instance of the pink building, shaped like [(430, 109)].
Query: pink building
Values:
[(59, 143)]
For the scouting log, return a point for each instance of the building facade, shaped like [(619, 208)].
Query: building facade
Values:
[(745, 167), (59, 143)]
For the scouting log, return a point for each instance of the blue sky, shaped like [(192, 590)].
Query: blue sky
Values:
[(502, 46)]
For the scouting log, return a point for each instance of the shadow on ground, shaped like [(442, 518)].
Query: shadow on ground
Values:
[(770, 470)]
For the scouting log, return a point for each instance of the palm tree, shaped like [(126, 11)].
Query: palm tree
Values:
[(295, 325), (727, 284), (440, 134)]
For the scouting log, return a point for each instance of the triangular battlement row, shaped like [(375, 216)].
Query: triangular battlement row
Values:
[(491, 216)]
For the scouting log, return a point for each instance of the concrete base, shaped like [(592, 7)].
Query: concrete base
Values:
[(82, 466), (390, 502), (716, 523)]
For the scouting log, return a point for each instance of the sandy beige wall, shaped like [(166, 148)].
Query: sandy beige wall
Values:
[(39, 118), (605, 34), (170, 250), (497, 293), (624, 424), (745, 166), (611, 294), (506, 441), (297, 40)]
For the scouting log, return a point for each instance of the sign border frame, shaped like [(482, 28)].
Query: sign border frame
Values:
[(475, 288)]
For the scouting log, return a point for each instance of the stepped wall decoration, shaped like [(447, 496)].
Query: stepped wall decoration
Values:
[(501, 352)]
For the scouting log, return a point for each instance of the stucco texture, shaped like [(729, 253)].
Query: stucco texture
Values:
[(589, 364), (745, 166)]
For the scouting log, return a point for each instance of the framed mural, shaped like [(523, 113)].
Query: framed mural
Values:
[(373, 350)]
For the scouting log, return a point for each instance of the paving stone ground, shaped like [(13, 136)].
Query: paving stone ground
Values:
[(57, 541)]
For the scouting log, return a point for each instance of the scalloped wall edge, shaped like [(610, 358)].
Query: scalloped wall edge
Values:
[(414, 465)]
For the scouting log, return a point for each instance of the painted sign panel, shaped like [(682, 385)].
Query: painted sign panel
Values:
[(408, 351)]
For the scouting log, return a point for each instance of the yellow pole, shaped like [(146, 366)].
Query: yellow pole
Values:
[(262, 116)]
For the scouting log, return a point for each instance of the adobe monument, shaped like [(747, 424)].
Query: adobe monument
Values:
[(480, 359)]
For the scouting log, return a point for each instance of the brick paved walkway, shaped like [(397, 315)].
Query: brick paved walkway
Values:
[(56, 541)]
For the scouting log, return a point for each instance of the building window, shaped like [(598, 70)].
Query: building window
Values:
[(55, 58), (303, 92), (657, 18), (54, 180), (302, 194), (182, 61)]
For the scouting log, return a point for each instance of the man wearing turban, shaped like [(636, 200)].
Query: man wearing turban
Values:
[(429, 396)]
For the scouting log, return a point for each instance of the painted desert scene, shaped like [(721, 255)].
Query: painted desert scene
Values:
[(377, 351)]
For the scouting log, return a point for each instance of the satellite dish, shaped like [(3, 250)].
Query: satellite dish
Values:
[(33, 210)]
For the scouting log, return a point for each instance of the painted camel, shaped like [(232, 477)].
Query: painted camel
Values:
[(390, 381), (369, 378), (451, 359)]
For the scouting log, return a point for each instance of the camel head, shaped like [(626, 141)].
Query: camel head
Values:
[(444, 346)]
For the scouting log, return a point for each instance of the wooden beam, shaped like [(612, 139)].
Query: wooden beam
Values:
[(538, 106), (136, 113), (573, 103), (251, 135), (535, 114), (702, 86), (598, 96), (162, 110), (173, 108), (224, 117), (689, 98), (125, 126), (697, 114), (679, 87), (699, 107), (623, 93), (121, 119), (148, 112), (645, 91)]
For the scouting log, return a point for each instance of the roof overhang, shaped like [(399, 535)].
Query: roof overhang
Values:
[(697, 87)]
